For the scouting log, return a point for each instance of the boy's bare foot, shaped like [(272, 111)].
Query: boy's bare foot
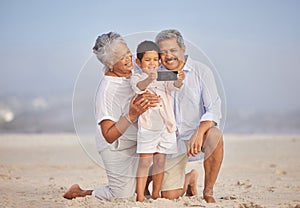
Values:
[(155, 196), (147, 192), (75, 191), (192, 186)]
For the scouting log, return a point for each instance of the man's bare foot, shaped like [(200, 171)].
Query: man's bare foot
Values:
[(192, 186), (75, 191), (209, 197)]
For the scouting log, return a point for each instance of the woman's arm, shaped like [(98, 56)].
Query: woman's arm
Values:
[(140, 103)]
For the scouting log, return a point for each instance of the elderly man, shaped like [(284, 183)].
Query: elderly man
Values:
[(198, 112)]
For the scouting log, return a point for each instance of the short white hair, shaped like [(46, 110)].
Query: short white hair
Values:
[(105, 47), (169, 34)]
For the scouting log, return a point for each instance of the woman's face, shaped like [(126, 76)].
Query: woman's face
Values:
[(122, 59)]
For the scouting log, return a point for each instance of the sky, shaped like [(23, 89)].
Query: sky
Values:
[(254, 45)]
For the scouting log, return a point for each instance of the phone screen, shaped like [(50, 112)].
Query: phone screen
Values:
[(166, 75)]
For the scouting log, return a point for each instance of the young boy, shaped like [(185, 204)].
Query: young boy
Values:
[(156, 133)]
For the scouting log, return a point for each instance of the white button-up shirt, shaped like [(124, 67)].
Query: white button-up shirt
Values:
[(197, 101), (112, 102), (162, 115)]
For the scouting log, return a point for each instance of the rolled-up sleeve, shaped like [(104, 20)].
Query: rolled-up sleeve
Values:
[(211, 98)]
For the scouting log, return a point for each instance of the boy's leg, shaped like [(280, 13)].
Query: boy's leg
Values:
[(145, 161), (158, 173)]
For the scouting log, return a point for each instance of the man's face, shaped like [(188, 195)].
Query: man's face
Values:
[(172, 56)]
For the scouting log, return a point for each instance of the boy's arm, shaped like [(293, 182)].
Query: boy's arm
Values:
[(142, 85)]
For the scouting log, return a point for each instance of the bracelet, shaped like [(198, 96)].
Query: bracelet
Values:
[(127, 118)]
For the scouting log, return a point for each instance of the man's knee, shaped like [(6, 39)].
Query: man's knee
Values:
[(214, 138)]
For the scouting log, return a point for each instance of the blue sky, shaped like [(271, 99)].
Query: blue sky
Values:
[(255, 45)]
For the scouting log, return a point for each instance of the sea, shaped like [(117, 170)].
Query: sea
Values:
[(55, 114)]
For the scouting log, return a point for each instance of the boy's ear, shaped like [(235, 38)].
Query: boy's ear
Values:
[(138, 62)]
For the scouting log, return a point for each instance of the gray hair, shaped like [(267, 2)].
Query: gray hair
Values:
[(169, 34), (105, 47)]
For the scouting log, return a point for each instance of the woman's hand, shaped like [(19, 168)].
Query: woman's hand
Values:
[(140, 103)]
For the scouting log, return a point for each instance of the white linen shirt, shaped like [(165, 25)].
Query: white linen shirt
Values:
[(112, 102), (162, 115), (197, 101)]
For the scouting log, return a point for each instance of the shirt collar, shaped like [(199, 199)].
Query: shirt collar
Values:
[(187, 65)]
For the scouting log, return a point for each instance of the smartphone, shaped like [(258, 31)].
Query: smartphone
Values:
[(166, 75)]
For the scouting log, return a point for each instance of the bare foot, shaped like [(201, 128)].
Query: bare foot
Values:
[(147, 192), (208, 196), (155, 196), (140, 198), (75, 191), (192, 186)]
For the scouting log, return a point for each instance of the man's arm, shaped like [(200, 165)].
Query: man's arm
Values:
[(196, 141), (179, 82)]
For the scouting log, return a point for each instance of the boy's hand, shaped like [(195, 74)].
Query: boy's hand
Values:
[(153, 75)]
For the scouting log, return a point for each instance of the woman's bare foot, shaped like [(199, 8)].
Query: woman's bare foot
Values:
[(75, 191), (192, 186)]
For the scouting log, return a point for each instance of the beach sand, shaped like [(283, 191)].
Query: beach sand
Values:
[(258, 171)]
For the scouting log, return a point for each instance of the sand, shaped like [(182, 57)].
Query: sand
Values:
[(258, 171)]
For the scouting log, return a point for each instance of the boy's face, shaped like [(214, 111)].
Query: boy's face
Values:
[(149, 62)]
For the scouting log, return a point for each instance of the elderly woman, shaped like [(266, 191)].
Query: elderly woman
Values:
[(117, 109)]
